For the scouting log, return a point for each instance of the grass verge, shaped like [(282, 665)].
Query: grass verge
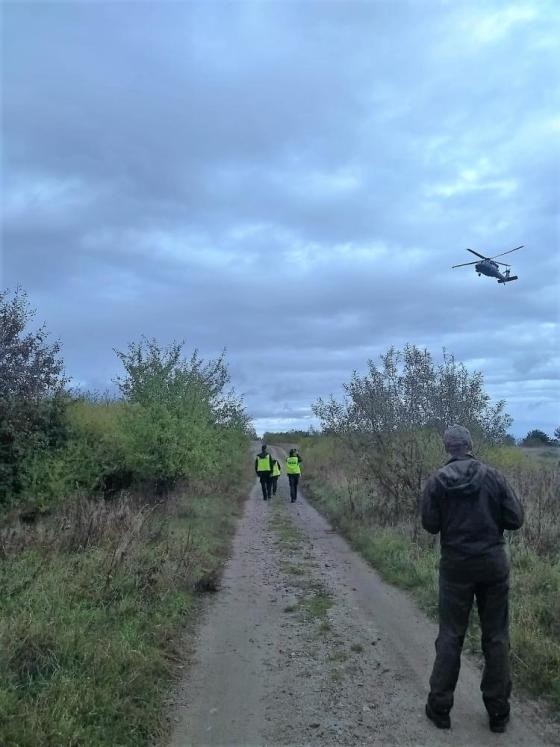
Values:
[(90, 637), (534, 598)]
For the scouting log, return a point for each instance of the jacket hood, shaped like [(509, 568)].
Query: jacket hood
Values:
[(462, 477)]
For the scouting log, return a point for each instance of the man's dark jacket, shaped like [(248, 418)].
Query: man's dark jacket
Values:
[(471, 504)]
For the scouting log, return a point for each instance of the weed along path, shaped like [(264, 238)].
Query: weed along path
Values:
[(305, 645)]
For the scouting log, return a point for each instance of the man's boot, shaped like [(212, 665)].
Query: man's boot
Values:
[(441, 720), (498, 723)]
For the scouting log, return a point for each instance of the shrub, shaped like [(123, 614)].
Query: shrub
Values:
[(178, 419), (390, 422), (536, 437), (175, 421), (32, 394)]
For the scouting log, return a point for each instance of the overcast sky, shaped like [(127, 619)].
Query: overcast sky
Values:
[(291, 181)]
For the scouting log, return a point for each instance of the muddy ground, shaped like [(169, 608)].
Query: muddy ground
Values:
[(305, 645)]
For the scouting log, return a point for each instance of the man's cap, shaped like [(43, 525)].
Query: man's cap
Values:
[(263, 447), (457, 435)]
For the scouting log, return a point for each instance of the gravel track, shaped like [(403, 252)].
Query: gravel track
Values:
[(306, 645)]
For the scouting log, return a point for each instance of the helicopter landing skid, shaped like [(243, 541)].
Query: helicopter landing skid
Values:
[(508, 279)]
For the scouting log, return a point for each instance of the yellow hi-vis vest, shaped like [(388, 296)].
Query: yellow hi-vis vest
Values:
[(292, 466), (276, 469), (263, 463)]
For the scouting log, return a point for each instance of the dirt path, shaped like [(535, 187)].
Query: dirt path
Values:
[(305, 645)]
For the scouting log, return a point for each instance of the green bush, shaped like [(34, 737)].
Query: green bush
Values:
[(32, 394), (179, 421), (92, 459), (175, 422)]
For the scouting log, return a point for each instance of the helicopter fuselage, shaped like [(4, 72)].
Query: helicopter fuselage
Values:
[(488, 267), (491, 269)]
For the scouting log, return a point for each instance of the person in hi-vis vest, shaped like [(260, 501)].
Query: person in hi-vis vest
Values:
[(263, 468), (276, 472), (293, 470)]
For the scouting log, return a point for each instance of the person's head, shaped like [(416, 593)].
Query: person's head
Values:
[(263, 448), (457, 440), (293, 452)]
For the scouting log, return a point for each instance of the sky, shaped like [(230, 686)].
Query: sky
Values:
[(291, 181)]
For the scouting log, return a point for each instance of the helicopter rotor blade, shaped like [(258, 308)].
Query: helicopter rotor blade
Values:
[(503, 263), (508, 252), (472, 251), (464, 264)]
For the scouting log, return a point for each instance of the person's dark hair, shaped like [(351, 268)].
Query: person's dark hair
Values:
[(457, 437), (263, 447)]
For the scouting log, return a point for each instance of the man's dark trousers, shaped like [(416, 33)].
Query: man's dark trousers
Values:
[(274, 484), (293, 480), (266, 484), (487, 579)]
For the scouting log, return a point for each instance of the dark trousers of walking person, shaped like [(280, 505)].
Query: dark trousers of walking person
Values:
[(293, 479), (487, 579), (274, 483), (266, 484)]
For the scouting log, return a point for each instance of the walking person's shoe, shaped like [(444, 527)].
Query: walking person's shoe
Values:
[(441, 720), (498, 723)]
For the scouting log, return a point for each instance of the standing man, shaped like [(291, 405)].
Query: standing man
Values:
[(276, 472), (471, 504), (293, 470), (263, 468)]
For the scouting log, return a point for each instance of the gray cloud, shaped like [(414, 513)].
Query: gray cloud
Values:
[(291, 181)]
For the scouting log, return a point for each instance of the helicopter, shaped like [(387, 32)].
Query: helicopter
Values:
[(487, 266)]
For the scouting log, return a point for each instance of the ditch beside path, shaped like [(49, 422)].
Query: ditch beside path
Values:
[(306, 645)]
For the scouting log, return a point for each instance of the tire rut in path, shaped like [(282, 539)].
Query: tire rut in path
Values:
[(305, 645)]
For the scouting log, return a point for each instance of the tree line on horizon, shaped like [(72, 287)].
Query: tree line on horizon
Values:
[(175, 417)]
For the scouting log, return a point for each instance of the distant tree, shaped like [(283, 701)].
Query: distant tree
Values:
[(32, 391), (536, 437), (509, 440), (557, 433), (292, 436), (410, 391)]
